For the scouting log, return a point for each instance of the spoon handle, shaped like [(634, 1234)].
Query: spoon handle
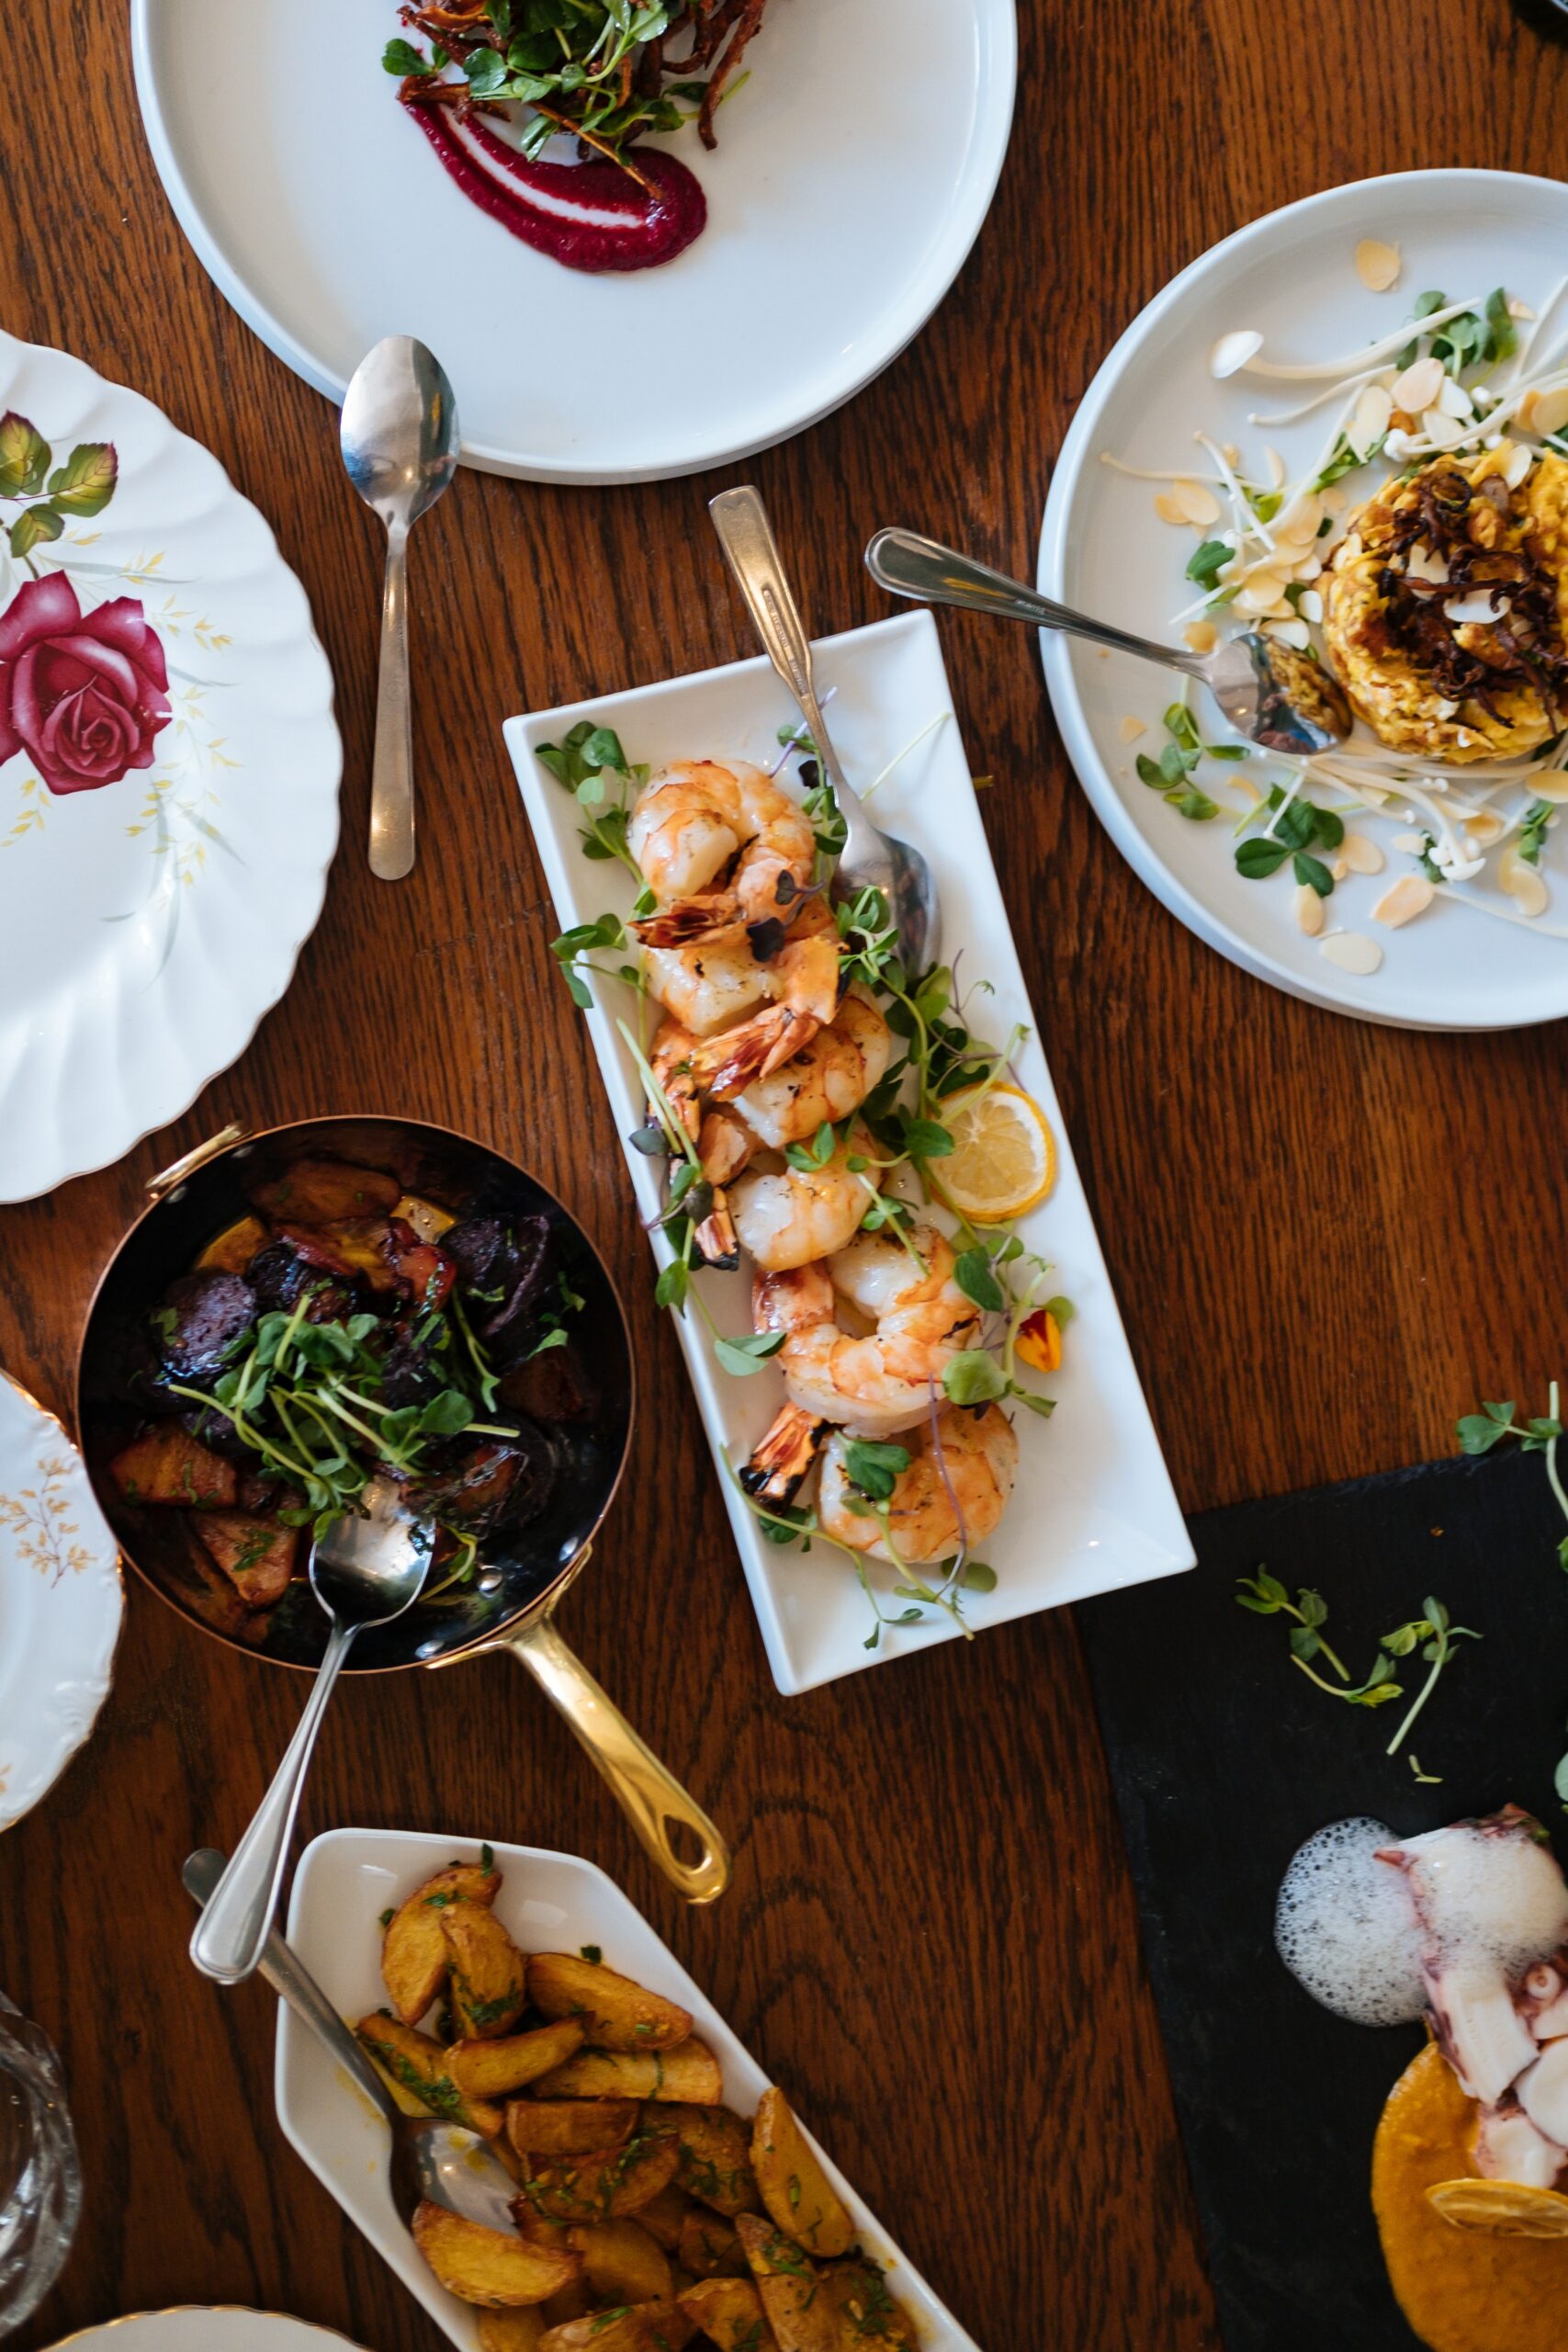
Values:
[(647, 1792), (747, 537), (391, 775), (281, 1967), (232, 1929), (931, 574)]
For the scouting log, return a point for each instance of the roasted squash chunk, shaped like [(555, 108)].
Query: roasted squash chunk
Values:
[(255, 1554), (318, 1191), (168, 1465)]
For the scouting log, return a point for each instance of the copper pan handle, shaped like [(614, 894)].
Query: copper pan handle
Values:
[(168, 1177), (647, 1792)]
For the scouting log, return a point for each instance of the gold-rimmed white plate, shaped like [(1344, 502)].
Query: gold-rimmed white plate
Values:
[(204, 2327), (61, 1603)]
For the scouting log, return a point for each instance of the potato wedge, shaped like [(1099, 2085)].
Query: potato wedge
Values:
[(415, 2066), (517, 2330), (715, 2153), (616, 2014), (641, 2327), (255, 1554), (709, 2248), (492, 2069), (413, 1950), (605, 2185), (168, 1465), (856, 2289), (688, 2073), (730, 2312), (664, 2217), (794, 2188), (318, 1191), (790, 2287), (621, 2264), (570, 2127), (488, 1992), (231, 1251), (488, 2266)]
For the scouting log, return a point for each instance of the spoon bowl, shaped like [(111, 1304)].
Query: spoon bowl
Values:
[(871, 859), (400, 441), (1278, 698)]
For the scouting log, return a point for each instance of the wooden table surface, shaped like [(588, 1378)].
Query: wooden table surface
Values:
[(1328, 1239)]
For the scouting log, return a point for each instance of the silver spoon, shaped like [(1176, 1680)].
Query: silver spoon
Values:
[(431, 2158), (871, 858), (398, 435), (1269, 692), (363, 1572)]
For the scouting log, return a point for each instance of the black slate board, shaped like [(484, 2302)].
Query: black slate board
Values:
[(1226, 1759)]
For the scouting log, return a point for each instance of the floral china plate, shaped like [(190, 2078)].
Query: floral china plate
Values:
[(168, 769), (203, 2327), (61, 1603)]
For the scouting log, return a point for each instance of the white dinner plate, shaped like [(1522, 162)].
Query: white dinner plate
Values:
[(1292, 274), (168, 770), (61, 1603), (1093, 1507), (852, 172), (548, 1903), (204, 2327)]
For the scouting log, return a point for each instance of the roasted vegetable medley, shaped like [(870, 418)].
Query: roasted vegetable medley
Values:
[(648, 2214), (343, 1330)]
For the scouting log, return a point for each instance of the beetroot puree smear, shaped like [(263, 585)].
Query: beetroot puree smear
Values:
[(586, 216)]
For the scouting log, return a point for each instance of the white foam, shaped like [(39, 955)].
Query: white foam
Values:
[(1488, 1895), (1346, 1928)]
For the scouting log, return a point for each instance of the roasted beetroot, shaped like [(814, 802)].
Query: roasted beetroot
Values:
[(202, 1318), (278, 1274), (504, 1266)]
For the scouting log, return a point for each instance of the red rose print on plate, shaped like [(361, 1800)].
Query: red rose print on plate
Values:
[(83, 694)]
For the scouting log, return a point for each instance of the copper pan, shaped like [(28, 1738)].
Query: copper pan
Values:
[(512, 1603)]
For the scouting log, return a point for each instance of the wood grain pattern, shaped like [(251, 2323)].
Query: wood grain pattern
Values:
[(1326, 1237)]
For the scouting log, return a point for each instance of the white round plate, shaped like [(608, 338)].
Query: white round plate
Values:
[(854, 170), (200, 2327), (168, 770), (61, 1603), (1102, 549)]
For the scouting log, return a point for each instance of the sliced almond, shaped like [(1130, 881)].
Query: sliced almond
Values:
[(1370, 420), (1291, 632), (1420, 563), (1309, 909), (1409, 896), (1352, 952), (1525, 413), (1549, 414), (1200, 635), (1131, 729), (1377, 264), (1417, 386), (1301, 520), (1552, 784), (1517, 463), (1309, 604), (1484, 828), (1518, 309), (1259, 593), (1522, 881), (1168, 510), (1477, 611), (1361, 856), (1234, 351), (1441, 429), (1197, 501), (1454, 400)]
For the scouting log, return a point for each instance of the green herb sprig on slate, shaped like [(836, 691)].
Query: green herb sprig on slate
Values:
[(1494, 1425), (596, 68), (1433, 1633)]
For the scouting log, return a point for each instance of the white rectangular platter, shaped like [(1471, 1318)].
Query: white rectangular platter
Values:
[(1093, 1509), (547, 1903)]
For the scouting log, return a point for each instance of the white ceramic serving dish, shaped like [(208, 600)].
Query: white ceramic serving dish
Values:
[(204, 2327), (1102, 549), (164, 847), (854, 170), (61, 1603), (1093, 1507), (548, 1903)]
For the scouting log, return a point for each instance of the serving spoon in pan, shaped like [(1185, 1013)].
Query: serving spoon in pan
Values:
[(1277, 698), (432, 2159)]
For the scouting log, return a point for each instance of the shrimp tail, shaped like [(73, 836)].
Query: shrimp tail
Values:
[(726, 1065), (724, 1147), (689, 922), (781, 1459), (715, 1242)]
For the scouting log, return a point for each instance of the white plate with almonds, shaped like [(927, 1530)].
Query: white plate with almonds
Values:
[(1347, 426)]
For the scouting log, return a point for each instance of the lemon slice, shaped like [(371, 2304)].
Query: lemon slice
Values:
[(1504, 2208), (1004, 1158)]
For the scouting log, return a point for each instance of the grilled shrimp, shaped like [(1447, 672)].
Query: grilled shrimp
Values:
[(790, 1216), (803, 983), (695, 819), (830, 1077), (880, 1384), (709, 985), (942, 1500)]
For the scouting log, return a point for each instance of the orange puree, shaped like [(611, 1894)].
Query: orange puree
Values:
[(1461, 2290)]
